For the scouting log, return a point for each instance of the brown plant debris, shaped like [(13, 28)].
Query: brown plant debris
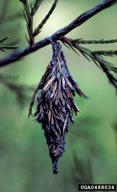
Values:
[(55, 103)]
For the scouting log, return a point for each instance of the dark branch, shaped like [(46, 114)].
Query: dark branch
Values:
[(57, 35), (84, 17)]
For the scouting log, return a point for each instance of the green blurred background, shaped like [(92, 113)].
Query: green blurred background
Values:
[(91, 154)]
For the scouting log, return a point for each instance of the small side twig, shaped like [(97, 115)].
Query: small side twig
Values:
[(29, 20), (40, 26), (8, 45), (101, 41), (29, 12), (110, 53), (35, 6), (96, 57)]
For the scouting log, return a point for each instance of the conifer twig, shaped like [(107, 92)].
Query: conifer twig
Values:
[(109, 53), (101, 41), (3, 47), (97, 58), (56, 36), (35, 6), (29, 21), (39, 27)]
